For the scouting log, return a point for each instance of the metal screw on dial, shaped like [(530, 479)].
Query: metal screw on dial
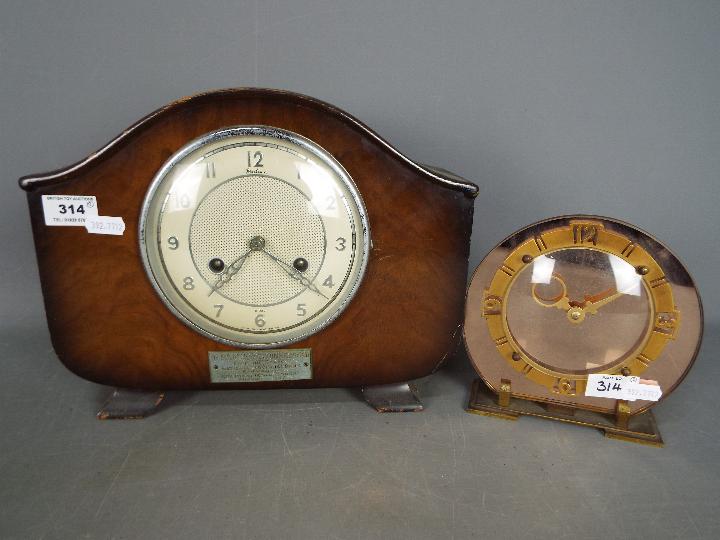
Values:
[(576, 315), (257, 243)]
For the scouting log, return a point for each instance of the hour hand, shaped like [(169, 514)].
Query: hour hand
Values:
[(559, 301), (232, 269)]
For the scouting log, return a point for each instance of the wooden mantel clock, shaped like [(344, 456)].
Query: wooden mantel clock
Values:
[(251, 238)]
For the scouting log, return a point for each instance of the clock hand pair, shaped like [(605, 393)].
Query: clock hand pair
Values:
[(230, 271), (294, 273), (576, 311)]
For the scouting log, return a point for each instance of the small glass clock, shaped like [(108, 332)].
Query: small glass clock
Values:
[(254, 236), (567, 307)]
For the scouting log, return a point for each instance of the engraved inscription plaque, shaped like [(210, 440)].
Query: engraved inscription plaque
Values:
[(259, 366)]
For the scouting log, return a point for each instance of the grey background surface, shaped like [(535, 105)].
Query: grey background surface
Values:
[(552, 107)]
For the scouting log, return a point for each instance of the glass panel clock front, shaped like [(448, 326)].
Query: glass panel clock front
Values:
[(578, 310)]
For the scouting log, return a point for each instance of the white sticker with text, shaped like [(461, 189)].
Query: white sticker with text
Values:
[(68, 210), (620, 387), (105, 225)]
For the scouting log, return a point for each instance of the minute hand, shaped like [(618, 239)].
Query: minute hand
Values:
[(295, 274), (592, 304)]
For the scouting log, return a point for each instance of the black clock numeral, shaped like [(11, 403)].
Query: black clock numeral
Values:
[(188, 283), (256, 158), (210, 169), (174, 243), (341, 244), (301, 311), (260, 321), (329, 281), (330, 200), (219, 308)]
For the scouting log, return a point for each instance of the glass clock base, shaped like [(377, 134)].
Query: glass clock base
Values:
[(639, 428)]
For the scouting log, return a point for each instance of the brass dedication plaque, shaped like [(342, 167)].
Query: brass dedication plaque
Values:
[(259, 366)]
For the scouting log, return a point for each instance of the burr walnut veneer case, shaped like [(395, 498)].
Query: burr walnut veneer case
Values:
[(257, 221)]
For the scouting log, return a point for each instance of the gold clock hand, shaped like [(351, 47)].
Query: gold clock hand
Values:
[(593, 303), (230, 271), (560, 301), (295, 274)]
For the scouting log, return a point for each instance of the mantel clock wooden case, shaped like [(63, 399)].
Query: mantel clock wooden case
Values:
[(269, 240)]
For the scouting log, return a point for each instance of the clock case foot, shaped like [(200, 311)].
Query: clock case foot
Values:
[(127, 404), (398, 397), (639, 428)]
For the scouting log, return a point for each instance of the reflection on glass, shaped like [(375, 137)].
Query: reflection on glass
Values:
[(184, 193), (627, 280), (320, 182), (542, 269), (578, 309)]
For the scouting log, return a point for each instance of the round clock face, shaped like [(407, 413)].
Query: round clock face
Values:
[(254, 236), (591, 298), (569, 297)]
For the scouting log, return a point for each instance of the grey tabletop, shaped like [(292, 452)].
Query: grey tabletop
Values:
[(323, 464)]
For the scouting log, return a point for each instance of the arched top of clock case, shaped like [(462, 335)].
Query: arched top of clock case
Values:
[(432, 174)]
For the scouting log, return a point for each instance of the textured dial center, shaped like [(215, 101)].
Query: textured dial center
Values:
[(230, 221)]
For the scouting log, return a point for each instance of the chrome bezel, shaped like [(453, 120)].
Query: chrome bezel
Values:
[(283, 135)]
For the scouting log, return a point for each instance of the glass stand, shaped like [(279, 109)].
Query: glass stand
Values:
[(639, 428)]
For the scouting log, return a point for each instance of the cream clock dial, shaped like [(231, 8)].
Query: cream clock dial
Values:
[(254, 236)]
